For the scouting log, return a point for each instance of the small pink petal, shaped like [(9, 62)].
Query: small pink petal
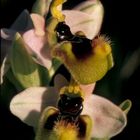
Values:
[(39, 24), (37, 45), (88, 89), (59, 82)]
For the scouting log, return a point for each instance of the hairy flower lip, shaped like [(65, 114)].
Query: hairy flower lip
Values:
[(54, 126), (89, 70), (54, 123)]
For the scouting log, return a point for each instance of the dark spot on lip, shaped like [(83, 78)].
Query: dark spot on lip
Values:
[(57, 116), (81, 125), (82, 128), (81, 47)]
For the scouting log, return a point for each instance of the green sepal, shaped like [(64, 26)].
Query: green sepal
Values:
[(126, 106), (25, 70), (50, 28), (41, 7), (55, 65), (10, 76)]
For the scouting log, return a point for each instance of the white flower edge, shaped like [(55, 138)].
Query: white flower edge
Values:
[(86, 17)]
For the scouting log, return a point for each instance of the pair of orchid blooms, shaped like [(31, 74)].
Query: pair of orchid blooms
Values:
[(36, 45)]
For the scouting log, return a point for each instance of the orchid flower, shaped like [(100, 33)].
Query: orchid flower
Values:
[(38, 38), (86, 54), (108, 119), (37, 48)]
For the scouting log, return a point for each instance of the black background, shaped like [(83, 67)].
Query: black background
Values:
[(121, 23)]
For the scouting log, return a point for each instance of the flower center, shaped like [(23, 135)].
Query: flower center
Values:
[(81, 46), (70, 108)]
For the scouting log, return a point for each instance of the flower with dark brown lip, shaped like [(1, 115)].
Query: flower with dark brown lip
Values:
[(66, 120), (108, 119), (39, 36)]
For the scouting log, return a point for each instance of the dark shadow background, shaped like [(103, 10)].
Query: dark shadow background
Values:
[(121, 24)]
